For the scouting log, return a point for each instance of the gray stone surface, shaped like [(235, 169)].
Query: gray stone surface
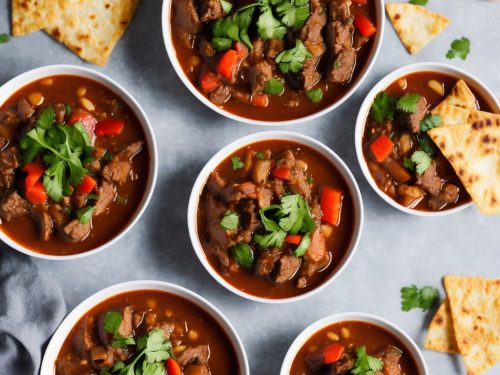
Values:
[(395, 250)]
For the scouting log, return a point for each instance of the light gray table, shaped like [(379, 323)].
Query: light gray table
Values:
[(395, 249)]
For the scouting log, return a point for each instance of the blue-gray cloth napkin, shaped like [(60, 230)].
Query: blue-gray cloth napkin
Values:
[(31, 308)]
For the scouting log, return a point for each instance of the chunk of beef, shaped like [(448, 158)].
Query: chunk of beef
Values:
[(311, 31), (448, 195), (59, 113), (241, 96), (249, 220), (266, 261), (186, 16), (233, 193), (220, 95), (345, 364), (84, 338), (214, 212), (314, 360), (125, 329), (430, 181), (197, 370), (75, 231), (107, 356), (105, 195), (118, 169), (58, 215), (261, 170), (287, 267), (24, 109), (167, 329), (216, 182), (339, 10), (13, 206), (3, 142), (210, 10), (391, 357), (257, 53), (343, 66), (79, 199), (197, 354), (264, 197), (258, 75), (316, 256), (287, 160), (130, 151), (9, 118), (277, 186), (10, 158), (7, 180), (44, 222), (315, 209), (309, 74), (413, 119), (274, 48), (340, 36), (205, 47), (298, 183)]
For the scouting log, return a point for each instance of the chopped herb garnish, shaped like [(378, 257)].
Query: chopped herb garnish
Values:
[(67, 109), (92, 197), (230, 221), (419, 2), (268, 26), (315, 95), (303, 246), (274, 86), (426, 144), (382, 108), (226, 6), (85, 214), (292, 60), (259, 155), (243, 254), (430, 121), (293, 13), (412, 297), (222, 44), (236, 163), (233, 28), (392, 134), (337, 64), (120, 199), (107, 156), (409, 164), (459, 48), (408, 103), (4, 38), (422, 161), (112, 323), (366, 364), (309, 180)]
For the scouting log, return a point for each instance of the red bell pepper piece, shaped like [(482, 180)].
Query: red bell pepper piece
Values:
[(381, 148), (34, 171), (88, 121), (331, 205), (283, 172), (209, 82), (364, 25), (260, 100), (360, 1), (294, 239), (173, 367), (109, 126), (227, 63), (332, 353), (36, 194), (87, 185)]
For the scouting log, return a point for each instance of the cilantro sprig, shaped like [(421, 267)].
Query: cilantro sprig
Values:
[(230, 220), (366, 364), (4, 38), (421, 161), (315, 95), (243, 254), (292, 60), (459, 48), (429, 122), (236, 163), (408, 103), (413, 297), (112, 323), (382, 108)]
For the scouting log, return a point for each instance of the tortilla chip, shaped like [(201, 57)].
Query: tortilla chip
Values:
[(415, 25), (29, 16), (475, 310), (91, 28), (441, 336), (460, 96), (474, 153), (451, 115)]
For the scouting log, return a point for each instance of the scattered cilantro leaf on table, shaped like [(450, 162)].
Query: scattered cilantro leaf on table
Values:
[(459, 48), (412, 297)]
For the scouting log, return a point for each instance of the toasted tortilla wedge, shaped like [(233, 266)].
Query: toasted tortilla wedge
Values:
[(91, 28), (415, 25), (29, 16), (475, 311), (451, 115), (474, 153), (460, 96), (441, 336)]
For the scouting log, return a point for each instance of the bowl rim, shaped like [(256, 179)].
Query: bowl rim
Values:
[(316, 326), (57, 339), (382, 84), (237, 144), (12, 86), (167, 39)]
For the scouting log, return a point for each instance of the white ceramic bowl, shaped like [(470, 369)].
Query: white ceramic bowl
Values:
[(15, 84), (167, 38), (385, 82), (79, 311), (220, 156), (353, 316)]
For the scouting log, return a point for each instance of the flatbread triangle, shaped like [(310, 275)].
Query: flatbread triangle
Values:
[(441, 335)]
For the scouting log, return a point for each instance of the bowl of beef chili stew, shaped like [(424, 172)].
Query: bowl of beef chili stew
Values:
[(353, 343), (275, 216), (148, 325), (397, 157), (78, 162), (272, 62)]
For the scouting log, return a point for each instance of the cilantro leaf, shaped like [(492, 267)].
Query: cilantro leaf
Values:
[(243, 254), (429, 121), (67, 109), (85, 214), (120, 341), (222, 44), (230, 221), (275, 235), (54, 179), (315, 95), (419, 2), (274, 86), (293, 13), (294, 214), (408, 103), (226, 6), (459, 48), (244, 19), (382, 108), (4, 38), (412, 297), (236, 163), (112, 321), (259, 155), (118, 366), (268, 26), (46, 118), (303, 246), (422, 161), (366, 364), (426, 144), (408, 164), (153, 368), (157, 348), (292, 60)]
